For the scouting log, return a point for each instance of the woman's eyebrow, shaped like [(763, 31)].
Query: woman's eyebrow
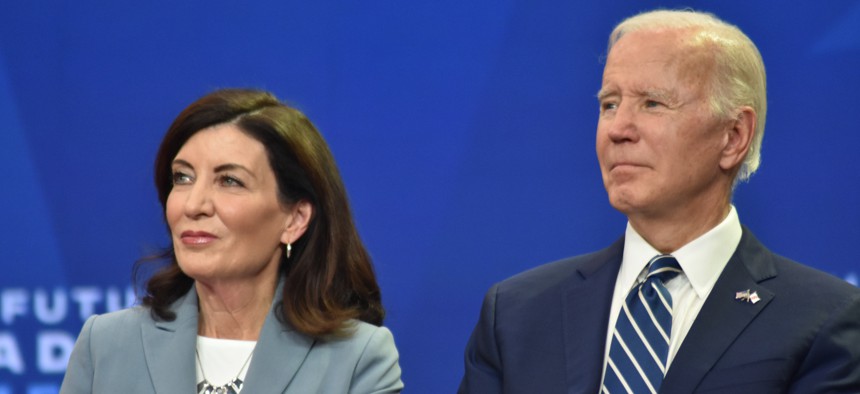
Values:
[(233, 167)]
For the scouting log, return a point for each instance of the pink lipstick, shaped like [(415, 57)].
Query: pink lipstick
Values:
[(196, 237)]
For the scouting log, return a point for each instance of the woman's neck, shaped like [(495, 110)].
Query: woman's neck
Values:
[(231, 310)]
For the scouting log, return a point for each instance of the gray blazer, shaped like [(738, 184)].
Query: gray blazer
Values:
[(129, 352)]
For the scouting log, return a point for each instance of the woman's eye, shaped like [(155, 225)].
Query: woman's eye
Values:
[(231, 181), (180, 178)]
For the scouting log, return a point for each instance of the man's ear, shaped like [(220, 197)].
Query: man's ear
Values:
[(739, 135), (297, 222)]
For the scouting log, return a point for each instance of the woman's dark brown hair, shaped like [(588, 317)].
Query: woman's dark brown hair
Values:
[(329, 278)]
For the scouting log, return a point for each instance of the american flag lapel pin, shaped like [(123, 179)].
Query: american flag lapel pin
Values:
[(747, 296), (754, 297)]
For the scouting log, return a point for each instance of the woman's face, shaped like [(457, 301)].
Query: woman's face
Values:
[(225, 218)]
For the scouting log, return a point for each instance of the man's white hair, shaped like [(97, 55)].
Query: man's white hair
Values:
[(738, 78)]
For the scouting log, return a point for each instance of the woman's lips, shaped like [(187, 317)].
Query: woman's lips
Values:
[(196, 237)]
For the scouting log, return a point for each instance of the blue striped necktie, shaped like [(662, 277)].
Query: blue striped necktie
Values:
[(640, 341)]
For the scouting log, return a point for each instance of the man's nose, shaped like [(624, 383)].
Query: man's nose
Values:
[(622, 126)]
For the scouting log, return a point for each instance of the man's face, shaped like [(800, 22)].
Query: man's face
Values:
[(657, 141)]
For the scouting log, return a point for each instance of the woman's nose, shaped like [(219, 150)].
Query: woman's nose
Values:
[(199, 201)]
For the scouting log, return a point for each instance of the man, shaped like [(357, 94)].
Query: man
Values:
[(682, 109)]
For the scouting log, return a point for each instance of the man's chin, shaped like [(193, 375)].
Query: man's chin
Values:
[(624, 200)]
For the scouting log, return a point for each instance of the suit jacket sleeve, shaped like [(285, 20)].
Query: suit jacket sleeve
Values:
[(378, 370), (833, 362), (483, 363), (79, 373)]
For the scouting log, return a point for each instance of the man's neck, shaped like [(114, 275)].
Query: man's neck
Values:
[(668, 233)]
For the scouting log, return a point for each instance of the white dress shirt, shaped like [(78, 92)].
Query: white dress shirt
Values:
[(702, 261)]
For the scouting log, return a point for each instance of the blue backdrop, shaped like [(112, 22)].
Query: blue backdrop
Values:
[(464, 131)]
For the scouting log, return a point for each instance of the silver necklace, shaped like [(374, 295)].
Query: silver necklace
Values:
[(232, 387)]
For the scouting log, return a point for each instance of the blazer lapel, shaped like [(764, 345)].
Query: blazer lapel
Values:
[(722, 317), (169, 348), (585, 309), (278, 355)]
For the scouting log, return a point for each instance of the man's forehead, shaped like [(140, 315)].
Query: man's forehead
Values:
[(665, 46), (653, 62)]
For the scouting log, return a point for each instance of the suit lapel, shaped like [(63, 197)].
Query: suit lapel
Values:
[(279, 354), (722, 317), (169, 348), (585, 309)]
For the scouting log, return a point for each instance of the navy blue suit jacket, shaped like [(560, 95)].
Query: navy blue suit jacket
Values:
[(544, 330)]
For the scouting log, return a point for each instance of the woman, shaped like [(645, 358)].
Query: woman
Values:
[(267, 289)]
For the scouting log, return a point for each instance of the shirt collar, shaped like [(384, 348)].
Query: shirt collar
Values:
[(702, 259)]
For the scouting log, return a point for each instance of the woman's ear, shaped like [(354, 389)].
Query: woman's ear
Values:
[(298, 218), (739, 136)]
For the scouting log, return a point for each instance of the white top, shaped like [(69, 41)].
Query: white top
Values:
[(702, 261), (222, 359)]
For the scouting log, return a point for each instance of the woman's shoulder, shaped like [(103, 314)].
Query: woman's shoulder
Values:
[(364, 328), (359, 331), (363, 358), (122, 317), (360, 338), (378, 362), (118, 322), (138, 315)]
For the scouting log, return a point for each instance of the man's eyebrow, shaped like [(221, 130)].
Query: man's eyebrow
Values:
[(604, 93), (663, 95), (660, 94)]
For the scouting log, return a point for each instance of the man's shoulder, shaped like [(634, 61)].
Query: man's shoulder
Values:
[(809, 281), (800, 283), (776, 270), (559, 272)]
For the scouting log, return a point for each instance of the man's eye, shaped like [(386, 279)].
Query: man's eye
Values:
[(607, 106), (180, 178), (652, 104)]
